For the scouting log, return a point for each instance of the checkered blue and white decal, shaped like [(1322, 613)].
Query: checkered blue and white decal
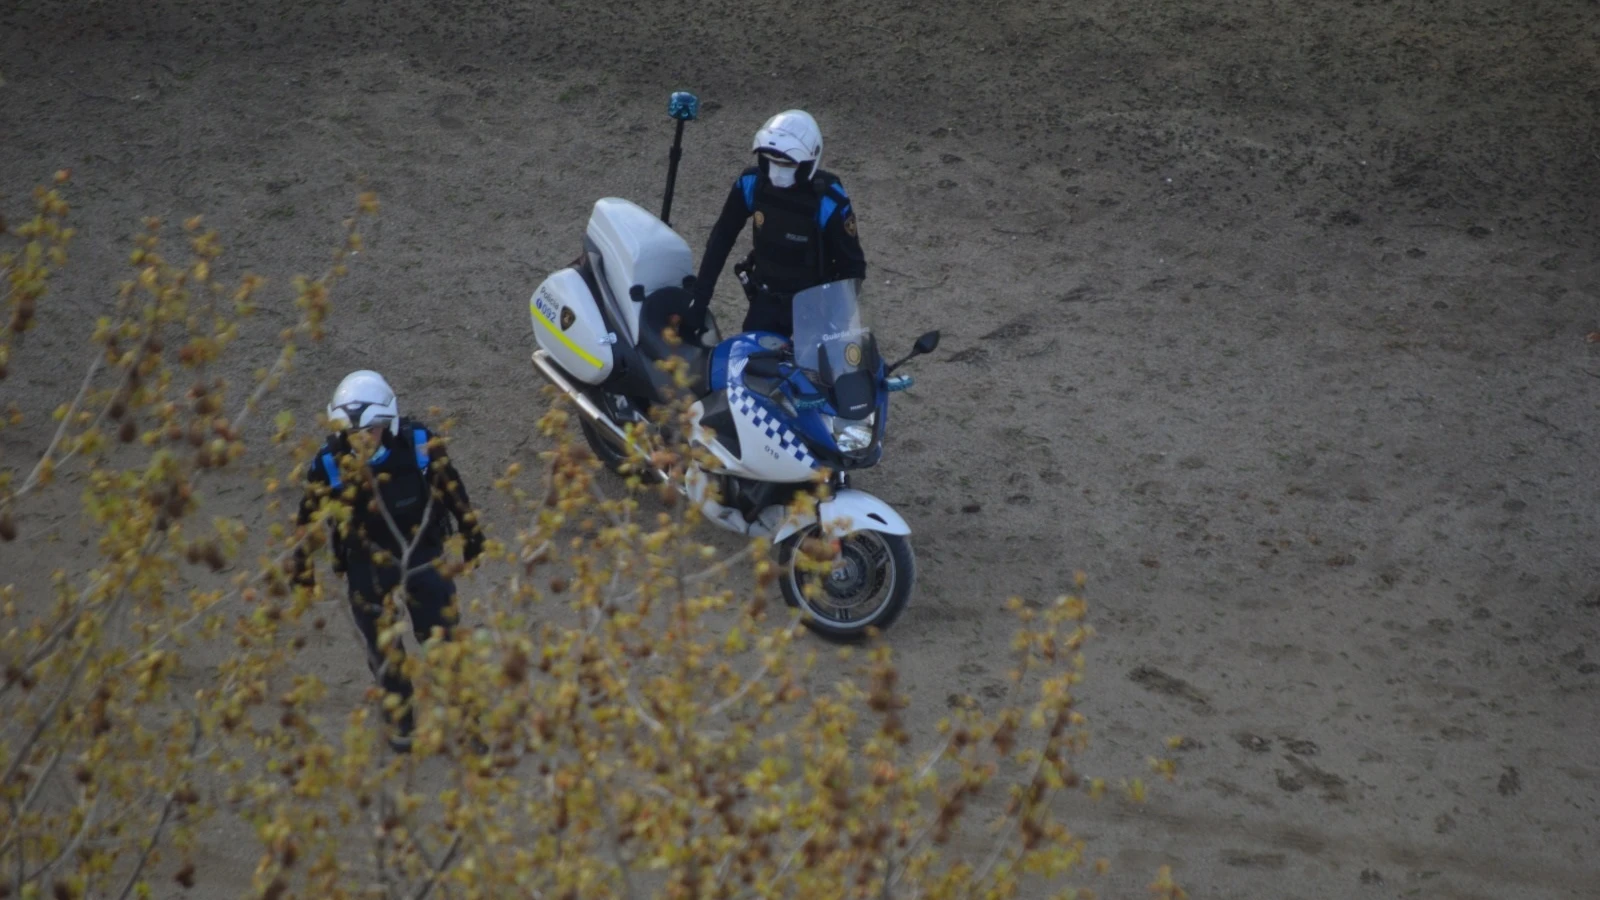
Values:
[(745, 404)]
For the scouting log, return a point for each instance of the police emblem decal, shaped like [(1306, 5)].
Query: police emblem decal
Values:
[(567, 317), (852, 354)]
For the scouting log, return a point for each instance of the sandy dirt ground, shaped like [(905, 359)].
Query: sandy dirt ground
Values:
[(1269, 316)]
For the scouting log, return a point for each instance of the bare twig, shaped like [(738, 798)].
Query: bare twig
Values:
[(793, 854), (627, 692), (736, 696), (604, 506), (888, 867), (1010, 701), (438, 871), (252, 401), (32, 481), (379, 836), (67, 624), (616, 852), (38, 785), (710, 571), (916, 842), (68, 849), (49, 714), (1011, 824), (161, 823), (394, 529), (237, 594)]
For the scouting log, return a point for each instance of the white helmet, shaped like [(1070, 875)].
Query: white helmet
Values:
[(792, 135), (363, 399)]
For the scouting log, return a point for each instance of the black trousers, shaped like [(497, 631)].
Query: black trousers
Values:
[(429, 597), (769, 311)]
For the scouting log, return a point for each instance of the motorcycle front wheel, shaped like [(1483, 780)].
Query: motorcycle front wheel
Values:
[(867, 585)]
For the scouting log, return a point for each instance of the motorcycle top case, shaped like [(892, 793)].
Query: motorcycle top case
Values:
[(568, 326), (636, 248)]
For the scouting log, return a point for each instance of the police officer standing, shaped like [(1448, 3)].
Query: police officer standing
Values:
[(404, 521), (804, 230)]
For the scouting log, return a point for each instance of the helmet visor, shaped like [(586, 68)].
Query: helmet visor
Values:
[(363, 415)]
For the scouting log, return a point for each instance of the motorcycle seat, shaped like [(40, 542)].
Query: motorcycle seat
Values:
[(667, 311)]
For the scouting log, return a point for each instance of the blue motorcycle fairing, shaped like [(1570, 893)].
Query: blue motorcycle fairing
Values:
[(809, 423), (727, 357), (736, 348)]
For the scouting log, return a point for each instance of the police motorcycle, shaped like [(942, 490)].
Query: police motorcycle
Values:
[(769, 414)]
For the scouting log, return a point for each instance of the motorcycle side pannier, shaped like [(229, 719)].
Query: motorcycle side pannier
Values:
[(568, 326)]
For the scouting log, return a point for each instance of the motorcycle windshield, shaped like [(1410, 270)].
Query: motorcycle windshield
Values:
[(830, 338), (834, 346)]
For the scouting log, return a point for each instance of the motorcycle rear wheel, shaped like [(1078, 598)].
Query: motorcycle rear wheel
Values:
[(605, 449)]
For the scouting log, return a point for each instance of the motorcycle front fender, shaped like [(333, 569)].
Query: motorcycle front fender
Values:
[(848, 510)]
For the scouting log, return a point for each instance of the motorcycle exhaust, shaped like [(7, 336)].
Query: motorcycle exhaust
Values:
[(541, 361), (547, 368)]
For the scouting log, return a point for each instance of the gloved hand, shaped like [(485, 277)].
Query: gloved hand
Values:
[(701, 301), (473, 548), (303, 575), (693, 324)]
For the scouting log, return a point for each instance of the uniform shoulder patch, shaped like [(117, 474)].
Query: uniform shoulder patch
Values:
[(850, 224)]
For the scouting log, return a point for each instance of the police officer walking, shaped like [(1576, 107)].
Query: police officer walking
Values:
[(804, 230), (403, 522)]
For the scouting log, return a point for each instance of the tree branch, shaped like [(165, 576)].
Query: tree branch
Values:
[(380, 834), (67, 850), (38, 785), (793, 854), (67, 624), (616, 851), (710, 571), (32, 481), (49, 714), (627, 693), (237, 594), (438, 871), (736, 696), (916, 842), (1011, 824), (155, 836)]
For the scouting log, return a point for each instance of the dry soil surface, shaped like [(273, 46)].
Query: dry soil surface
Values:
[(1269, 316)]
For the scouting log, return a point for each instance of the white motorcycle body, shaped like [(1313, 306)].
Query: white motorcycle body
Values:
[(626, 246), (596, 323)]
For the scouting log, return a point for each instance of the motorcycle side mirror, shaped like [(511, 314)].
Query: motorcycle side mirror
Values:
[(928, 343)]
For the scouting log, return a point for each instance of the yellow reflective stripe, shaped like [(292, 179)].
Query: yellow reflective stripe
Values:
[(561, 335)]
